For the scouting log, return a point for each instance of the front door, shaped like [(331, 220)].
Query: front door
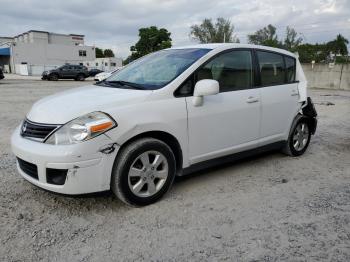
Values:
[(229, 121), (66, 71)]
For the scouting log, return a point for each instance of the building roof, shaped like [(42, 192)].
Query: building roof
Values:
[(47, 32), (76, 35)]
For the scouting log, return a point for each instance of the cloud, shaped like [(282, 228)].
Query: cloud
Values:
[(114, 24)]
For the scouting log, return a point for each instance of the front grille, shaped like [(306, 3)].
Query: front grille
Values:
[(36, 130), (28, 168)]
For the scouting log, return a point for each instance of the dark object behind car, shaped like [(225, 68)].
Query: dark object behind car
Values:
[(94, 72), (76, 72), (1, 74)]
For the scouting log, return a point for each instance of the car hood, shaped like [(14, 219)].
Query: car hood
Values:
[(65, 106), (103, 74)]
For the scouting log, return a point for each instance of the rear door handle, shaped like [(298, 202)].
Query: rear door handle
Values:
[(252, 99), (295, 93)]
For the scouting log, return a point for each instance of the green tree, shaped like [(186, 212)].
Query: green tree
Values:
[(339, 45), (310, 52), (108, 53), (151, 39), (220, 32), (322, 52), (266, 36), (291, 40), (99, 52)]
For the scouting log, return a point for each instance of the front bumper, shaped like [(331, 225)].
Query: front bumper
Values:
[(89, 170), (310, 111)]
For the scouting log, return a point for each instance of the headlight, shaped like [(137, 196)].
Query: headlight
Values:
[(82, 128)]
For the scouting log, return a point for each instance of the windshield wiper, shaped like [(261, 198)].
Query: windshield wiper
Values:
[(102, 83), (125, 83)]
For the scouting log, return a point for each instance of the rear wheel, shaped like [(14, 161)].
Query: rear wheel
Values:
[(299, 139), (143, 172), (80, 77)]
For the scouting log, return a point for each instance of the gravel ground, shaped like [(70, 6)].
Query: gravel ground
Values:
[(266, 208)]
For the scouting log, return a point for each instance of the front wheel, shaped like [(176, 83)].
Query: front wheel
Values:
[(299, 139), (53, 77), (143, 172)]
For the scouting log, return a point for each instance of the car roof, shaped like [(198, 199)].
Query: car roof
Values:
[(225, 46)]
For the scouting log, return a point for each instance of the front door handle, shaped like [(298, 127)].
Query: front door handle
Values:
[(252, 99)]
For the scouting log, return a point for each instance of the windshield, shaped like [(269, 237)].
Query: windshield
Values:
[(156, 70)]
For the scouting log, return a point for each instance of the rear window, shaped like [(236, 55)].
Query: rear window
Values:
[(290, 69), (271, 67)]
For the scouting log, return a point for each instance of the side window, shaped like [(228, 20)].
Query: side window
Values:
[(271, 67), (290, 69), (186, 88), (233, 70)]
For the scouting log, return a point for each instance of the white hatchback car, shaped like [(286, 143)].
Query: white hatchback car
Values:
[(166, 114), (103, 75)]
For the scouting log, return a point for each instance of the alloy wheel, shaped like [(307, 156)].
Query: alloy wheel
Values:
[(300, 136), (148, 173)]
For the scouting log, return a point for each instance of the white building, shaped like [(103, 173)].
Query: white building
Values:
[(36, 51), (105, 64)]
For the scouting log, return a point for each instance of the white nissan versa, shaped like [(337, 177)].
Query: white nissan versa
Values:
[(166, 114)]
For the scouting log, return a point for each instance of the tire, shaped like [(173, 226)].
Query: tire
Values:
[(137, 184), (80, 77), (299, 138), (53, 77)]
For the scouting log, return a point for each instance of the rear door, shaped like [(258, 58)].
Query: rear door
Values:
[(76, 70), (279, 94), (229, 121)]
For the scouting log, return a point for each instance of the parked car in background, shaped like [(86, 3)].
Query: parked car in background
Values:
[(76, 72), (105, 75), (95, 71), (1, 74), (165, 115)]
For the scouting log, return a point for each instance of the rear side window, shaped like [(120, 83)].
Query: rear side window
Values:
[(233, 70), (271, 67), (290, 69)]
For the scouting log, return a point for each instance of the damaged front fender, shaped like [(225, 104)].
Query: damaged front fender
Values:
[(108, 149)]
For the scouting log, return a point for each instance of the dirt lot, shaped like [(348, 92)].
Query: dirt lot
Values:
[(267, 208)]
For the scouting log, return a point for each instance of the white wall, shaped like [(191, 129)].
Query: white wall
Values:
[(324, 76), (50, 54), (38, 38)]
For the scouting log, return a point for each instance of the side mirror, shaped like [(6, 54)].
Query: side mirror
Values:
[(205, 87)]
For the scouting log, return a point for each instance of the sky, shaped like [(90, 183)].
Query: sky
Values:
[(114, 23)]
